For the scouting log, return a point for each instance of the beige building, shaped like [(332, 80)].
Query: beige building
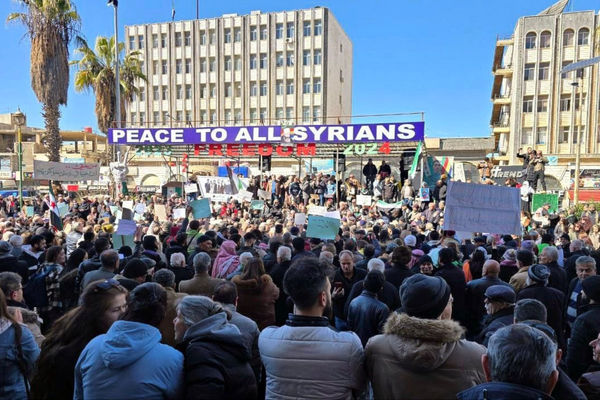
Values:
[(263, 68), (533, 105)]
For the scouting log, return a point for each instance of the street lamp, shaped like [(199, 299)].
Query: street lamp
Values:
[(115, 4), (20, 121)]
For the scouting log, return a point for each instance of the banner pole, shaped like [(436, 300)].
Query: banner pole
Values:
[(337, 176)]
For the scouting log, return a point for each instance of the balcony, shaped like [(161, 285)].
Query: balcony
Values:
[(502, 41), (502, 70), (501, 127), (501, 99)]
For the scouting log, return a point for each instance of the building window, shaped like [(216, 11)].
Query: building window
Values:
[(565, 75), (253, 89), (541, 134), (237, 63), (212, 36), (316, 114), (568, 37), (187, 38), (279, 59), (252, 33), (131, 42), (263, 61), (306, 114), (544, 72), (203, 91), (565, 102), (279, 31), (188, 65), (154, 41), (213, 90), (188, 92), (263, 115), (164, 67), (318, 27), (580, 73), (583, 37), (563, 135), (228, 117), (253, 115), (526, 136), (165, 93), (227, 35), (212, 64), (203, 38), (290, 59), (289, 113), (545, 39), (142, 118), (237, 36), (317, 85), (156, 118), (179, 117), (238, 117), (542, 104), (530, 40), (528, 104), (213, 117), (142, 94), (163, 40), (263, 88), (290, 30), (188, 117), (238, 90), (306, 57), (306, 86), (577, 102), (155, 93), (306, 28), (155, 67), (203, 65), (317, 57), (279, 87), (177, 39), (228, 63), (529, 72), (178, 66), (253, 61), (165, 118), (279, 113), (228, 90), (133, 118), (203, 117), (289, 87), (263, 32)]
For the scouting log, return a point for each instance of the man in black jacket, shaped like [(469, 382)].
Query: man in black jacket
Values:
[(399, 271), (366, 314), (577, 250), (345, 277), (558, 276), (585, 329), (370, 172), (10, 263), (455, 278), (500, 306)]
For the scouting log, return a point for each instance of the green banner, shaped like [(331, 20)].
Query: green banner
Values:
[(539, 199)]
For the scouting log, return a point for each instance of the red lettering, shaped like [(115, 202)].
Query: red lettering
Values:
[(233, 150), (309, 149), (265, 149), (248, 149), (215, 150), (281, 152)]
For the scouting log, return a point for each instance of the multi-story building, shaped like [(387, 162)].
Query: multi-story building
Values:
[(533, 103), (262, 68)]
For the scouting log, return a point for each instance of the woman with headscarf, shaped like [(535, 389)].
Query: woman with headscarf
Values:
[(508, 265), (226, 261)]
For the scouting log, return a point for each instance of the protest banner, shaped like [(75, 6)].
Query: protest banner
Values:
[(257, 205), (65, 171), (123, 240), (322, 227), (63, 209), (179, 213), (482, 208), (263, 194), (389, 206), (201, 208), (363, 200), (539, 199), (126, 227), (161, 212), (299, 219)]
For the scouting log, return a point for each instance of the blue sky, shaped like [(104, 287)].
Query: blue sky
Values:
[(409, 55)]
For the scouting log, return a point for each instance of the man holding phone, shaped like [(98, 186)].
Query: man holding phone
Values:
[(345, 277)]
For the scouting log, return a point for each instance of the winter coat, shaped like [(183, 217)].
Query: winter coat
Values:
[(257, 302), (250, 333), (474, 301), (201, 285), (579, 353), (558, 277), (12, 383), (366, 316), (397, 274), (502, 391), (507, 269), (10, 263), (554, 300), (369, 170), (73, 239), (217, 361), (519, 280), (455, 278), (389, 295), (492, 323), (281, 306), (128, 362), (166, 328), (340, 302), (422, 359), (332, 371)]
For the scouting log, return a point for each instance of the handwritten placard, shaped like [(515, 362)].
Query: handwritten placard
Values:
[(29, 211), (140, 208), (482, 208), (245, 195), (322, 227), (126, 227), (263, 194), (65, 171), (201, 208), (123, 240), (257, 204), (179, 213), (363, 200), (317, 210), (299, 219), (160, 211), (128, 204), (191, 188)]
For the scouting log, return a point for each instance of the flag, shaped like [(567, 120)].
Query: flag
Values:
[(413, 167), (236, 182), (173, 10), (55, 219)]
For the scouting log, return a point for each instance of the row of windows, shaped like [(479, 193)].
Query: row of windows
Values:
[(541, 135), (542, 103), (309, 114), (229, 35), (583, 38), (544, 72)]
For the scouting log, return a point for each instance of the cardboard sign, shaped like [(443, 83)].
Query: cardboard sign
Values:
[(263, 194), (257, 205), (201, 208), (322, 227), (128, 204), (191, 188), (161, 212), (363, 200), (424, 194), (65, 171), (317, 210), (299, 219), (482, 208), (138, 217), (126, 227), (113, 210), (245, 195), (179, 213)]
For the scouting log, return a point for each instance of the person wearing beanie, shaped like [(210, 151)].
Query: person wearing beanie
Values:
[(585, 329), (500, 307), (136, 269), (524, 260), (366, 315), (455, 278), (421, 353), (538, 277)]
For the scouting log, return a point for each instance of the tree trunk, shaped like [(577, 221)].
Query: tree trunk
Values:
[(52, 139)]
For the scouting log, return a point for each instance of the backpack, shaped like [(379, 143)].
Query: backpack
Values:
[(35, 291)]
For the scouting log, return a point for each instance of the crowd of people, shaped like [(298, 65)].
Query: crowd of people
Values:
[(243, 305)]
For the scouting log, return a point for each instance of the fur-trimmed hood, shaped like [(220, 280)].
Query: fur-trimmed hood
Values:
[(421, 344)]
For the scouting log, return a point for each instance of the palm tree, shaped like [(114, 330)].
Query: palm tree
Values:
[(51, 24), (96, 71)]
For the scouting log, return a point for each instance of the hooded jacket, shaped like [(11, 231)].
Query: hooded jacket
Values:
[(256, 300), (217, 361), (422, 359), (128, 362), (12, 386)]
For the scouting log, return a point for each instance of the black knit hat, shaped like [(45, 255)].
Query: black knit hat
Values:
[(591, 287), (538, 273), (424, 296)]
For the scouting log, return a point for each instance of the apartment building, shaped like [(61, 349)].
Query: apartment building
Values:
[(286, 67), (533, 103)]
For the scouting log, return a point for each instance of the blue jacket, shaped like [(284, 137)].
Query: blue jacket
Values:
[(128, 362), (502, 391), (12, 384)]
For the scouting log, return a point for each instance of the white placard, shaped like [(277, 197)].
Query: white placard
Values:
[(244, 195), (140, 208), (459, 172), (482, 208), (128, 204), (263, 194), (191, 188), (299, 219), (317, 210), (179, 213), (65, 171), (363, 200), (333, 214)]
